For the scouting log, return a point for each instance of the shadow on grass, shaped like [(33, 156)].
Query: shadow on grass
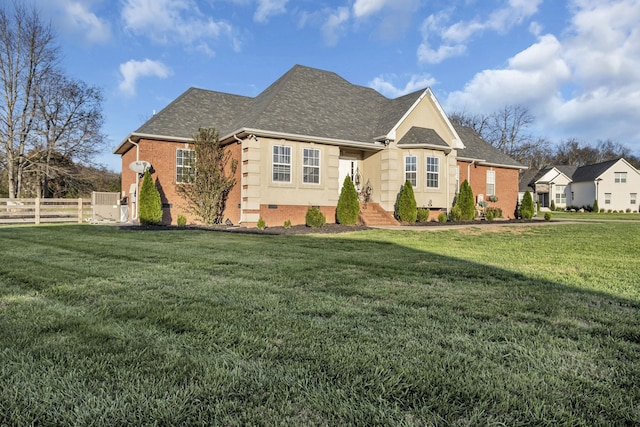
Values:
[(192, 327)]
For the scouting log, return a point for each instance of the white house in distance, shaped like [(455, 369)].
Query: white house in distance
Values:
[(615, 184)]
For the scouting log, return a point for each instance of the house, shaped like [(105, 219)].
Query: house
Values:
[(297, 141), (614, 183), (550, 184)]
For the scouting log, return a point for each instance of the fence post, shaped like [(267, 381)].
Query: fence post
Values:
[(37, 208), (80, 210)]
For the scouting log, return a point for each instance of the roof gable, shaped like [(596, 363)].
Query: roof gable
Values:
[(592, 172)]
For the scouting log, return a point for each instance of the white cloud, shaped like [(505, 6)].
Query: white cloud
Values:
[(367, 7), (269, 8), (453, 38), (387, 88), (174, 21), (75, 17), (334, 26), (584, 83), (132, 70)]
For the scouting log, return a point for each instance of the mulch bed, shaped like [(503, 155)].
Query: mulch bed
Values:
[(303, 229)]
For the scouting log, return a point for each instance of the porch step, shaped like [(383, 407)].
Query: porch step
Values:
[(373, 214)]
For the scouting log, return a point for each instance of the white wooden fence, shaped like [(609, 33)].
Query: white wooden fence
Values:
[(37, 211)]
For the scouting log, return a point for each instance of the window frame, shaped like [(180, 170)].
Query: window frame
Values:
[(307, 167), (620, 177), (181, 174), (432, 174), (288, 166), (561, 196), (491, 182), (414, 171), (607, 198), (633, 198)]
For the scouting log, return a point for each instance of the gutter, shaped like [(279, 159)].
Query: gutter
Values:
[(371, 146)]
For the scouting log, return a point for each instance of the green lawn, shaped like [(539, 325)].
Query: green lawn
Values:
[(594, 216), (524, 326)]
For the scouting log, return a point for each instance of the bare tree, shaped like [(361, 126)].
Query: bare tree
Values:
[(477, 122), (69, 125), (27, 53), (214, 177)]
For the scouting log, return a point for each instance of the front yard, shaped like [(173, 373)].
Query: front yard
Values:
[(521, 325)]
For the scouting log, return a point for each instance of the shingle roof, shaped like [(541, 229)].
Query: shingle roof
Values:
[(304, 101), (591, 172), (194, 109), (479, 149), (418, 135)]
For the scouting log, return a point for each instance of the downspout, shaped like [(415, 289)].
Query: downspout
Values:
[(135, 210), (239, 141)]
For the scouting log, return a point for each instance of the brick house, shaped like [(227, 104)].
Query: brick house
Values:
[(297, 140)]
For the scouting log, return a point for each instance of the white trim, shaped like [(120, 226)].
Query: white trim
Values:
[(455, 143)]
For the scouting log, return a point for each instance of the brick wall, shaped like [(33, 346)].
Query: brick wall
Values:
[(162, 156), (506, 185), (276, 215)]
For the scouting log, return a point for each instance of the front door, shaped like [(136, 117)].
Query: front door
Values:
[(348, 167)]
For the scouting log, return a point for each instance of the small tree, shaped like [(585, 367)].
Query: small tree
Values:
[(348, 205), (595, 206), (553, 205), (213, 177), (150, 204), (406, 207), (465, 202), (526, 208)]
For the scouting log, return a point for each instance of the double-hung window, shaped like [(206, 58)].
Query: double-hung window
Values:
[(281, 163), (620, 177), (607, 198), (311, 166), (561, 194), (433, 172), (491, 183), (411, 170), (633, 198), (185, 165)]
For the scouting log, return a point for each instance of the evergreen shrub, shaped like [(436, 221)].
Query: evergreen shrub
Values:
[(315, 217), (442, 218), (182, 220), (547, 216), (465, 202), (423, 215), (456, 213), (261, 224), (526, 209), (150, 212), (348, 205), (406, 207)]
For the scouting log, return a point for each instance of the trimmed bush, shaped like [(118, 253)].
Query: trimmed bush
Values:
[(182, 220), (150, 212), (465, 202), (315, 217), (526, 209), (442, 218), (547, 216), (423, 215), (492, 213), (287, 224), (348, 205), (456, 213), (261, 224), (406, 207), (553, 205)]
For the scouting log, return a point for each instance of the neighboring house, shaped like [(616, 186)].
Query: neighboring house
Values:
[(297, 141), (614, 183)]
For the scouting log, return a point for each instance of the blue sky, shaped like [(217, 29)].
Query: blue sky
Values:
[(574, 64)]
